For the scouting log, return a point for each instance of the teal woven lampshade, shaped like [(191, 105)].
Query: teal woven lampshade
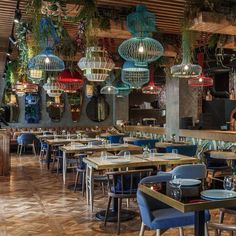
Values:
[(123, 89), (141, 22), (141, 50), (46, 61), (134, 76), (186, 69)]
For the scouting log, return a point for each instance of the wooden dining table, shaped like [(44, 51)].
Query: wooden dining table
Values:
[(173, 144), (198, 206), (224, 155), (80, 148), (115, 162)]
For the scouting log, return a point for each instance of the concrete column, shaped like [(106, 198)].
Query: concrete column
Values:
[(172, 107)]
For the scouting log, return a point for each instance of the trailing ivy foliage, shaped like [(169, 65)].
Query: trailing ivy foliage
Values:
[(21, 31)]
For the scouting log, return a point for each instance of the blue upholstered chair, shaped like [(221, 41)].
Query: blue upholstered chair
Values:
[(146, 142), (215, 165), (115, 138), (157, 215), (26, 140), (123, 184), (187, 150)]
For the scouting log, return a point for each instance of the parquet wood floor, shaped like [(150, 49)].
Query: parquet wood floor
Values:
[(33, 201)]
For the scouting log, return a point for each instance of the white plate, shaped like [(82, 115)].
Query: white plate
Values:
[(119, 161), (217, 194), (186, 182), (159, 154)]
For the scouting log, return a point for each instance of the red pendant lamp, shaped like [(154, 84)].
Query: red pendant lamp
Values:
[(151, 88), (69, 81), (201, 80), (21, 88)]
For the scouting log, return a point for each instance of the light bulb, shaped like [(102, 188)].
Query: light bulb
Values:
[(47, 60), (186, 67), (151, 88), (141, 49), (200, 80), (109, 89)]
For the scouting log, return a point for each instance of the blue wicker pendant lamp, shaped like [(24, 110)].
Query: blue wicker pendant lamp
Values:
[(47, 60), (141, 49)]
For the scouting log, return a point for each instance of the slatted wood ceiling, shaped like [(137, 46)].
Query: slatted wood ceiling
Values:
[(168, 13)]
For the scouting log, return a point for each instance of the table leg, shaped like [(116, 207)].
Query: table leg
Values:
[(64, 168), (49, 155), (199, 222)]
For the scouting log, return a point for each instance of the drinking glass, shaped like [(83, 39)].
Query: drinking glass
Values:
[(125, 142), (152, 152), (127, 155), (228, 183), (176, 191), (54, 135), (90, 144), (175, 152), (103, 155), (108, 143), (68, 135)]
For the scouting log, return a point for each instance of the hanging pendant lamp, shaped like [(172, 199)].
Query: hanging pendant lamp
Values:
[(141, 49), (21, 88), (46, 60), (186, 69), (69, 81), (123, 89), (201, 80), (35, 75), (96, 65), (134, 76), (52, 88), (151, 88)]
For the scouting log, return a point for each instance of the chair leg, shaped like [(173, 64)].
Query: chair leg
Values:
[(206, 229), (221, 219), (181, 231), (76, 180), (141, 233), (83, 183), (58, 165), (34, 150), (21, 147), (118, 217), (158, 232), (18, 149), (107, 211)]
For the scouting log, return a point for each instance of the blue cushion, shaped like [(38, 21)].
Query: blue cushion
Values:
[(146, 142), (187, 150), (170, 217), (115, 138)]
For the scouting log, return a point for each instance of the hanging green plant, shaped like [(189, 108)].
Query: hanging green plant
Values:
[(21, 31), (11, 74)]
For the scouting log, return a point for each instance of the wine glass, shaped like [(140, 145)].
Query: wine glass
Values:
[(152, 153), (228, 183), (103, 155), (175, 152), (127, 155), (176, 191)]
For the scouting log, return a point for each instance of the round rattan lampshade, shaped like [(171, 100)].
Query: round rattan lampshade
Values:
[(96, 65)]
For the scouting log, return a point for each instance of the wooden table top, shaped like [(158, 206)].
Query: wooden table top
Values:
[(72, 140), (132, 139), (187, 207), (105, 135), (136, 161), (167, 144), (111, 148), (223, 155), (51, 136)]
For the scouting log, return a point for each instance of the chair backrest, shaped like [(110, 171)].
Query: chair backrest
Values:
[(187, 150), (26, 138), (115, 138), (146, 203), (126, 182), (192, 171), (212, 162), (146, 142), (96, 142)]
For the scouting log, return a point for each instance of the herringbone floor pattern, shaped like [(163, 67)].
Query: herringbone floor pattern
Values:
[(33, 201)]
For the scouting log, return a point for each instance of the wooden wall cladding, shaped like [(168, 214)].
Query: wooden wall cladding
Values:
[(5, 158)]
